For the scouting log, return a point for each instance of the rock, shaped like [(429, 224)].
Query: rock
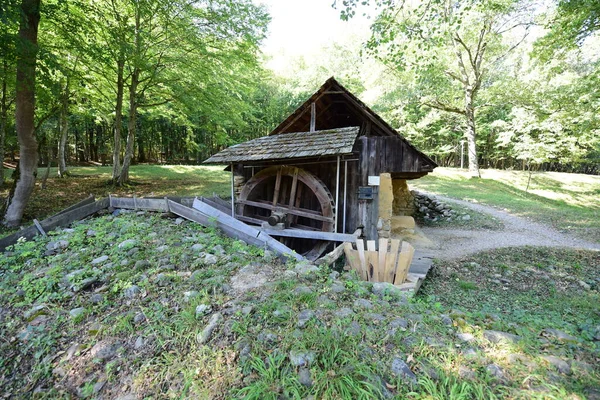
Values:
[(247, 310), (282, 312), (162, 249), (139, 318), (559, 335), (178, 221), (498, 336), (363, 303), (562, 366), (219, 250), (446, 320), (142, 264), (584, 285), (104, 350), (592, 393), (384, 288), (94, 328), (131, 291), (338, 287), (302, 290), (376, 318), (85, 284), (304, 317), (76, 312), (90, 232), (304, 377), (466, 217), (302, 358), (334, 275), (495, 371), (198, 247), (307, 271), (202, 309), (99, 260), (126, 243), (402, 370), (36, 311), (354, 329), (465, 337), (470, 353), (267, 338), (398, 323), (163, 279), (96, 298), (209, 259), (214, 321), (139, 343), (344, 312), (466, 373)]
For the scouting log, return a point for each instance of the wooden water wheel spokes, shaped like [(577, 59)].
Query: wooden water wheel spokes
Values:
[(293, 197)]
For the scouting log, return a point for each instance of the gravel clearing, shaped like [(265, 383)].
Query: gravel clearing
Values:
[(449, 243)]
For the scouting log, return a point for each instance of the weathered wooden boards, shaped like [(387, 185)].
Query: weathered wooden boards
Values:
[(388, 264), (84, 209)]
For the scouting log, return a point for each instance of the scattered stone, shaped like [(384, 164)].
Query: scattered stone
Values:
[(304, 377), (36, 311), (465, 337), (131, 291), (178, 221), (446, 320), (304, 317), (324, 301), (466, 217), (302, 358), (139, 318), (104, 350), (202, 310), (470, 353), (354, 329), (498, 336), (402, 370), (91, 232), (139, 343), (85, 284), (466, 373), (363, 303), (126, 243), (302, 290), (376, 318), (76, 312), (561, 366), (559, 335), (282, 312), (142, 264), (204, 336), (267, 337), (94, 328), (592, 393), (163, 279), (381, 289), (198, 247), (162, 249), (218, 249), (398, 323), (334, 275), (99, 260), (495, 371), (584, 285), (247, 310), (209, 259), (338, 287), (307, 271), (344, 312)]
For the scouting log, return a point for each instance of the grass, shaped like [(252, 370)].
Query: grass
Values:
[(569, 202), (248, 356)]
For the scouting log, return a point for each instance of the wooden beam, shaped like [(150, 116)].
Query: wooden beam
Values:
[(88, 200), (313, 116), (301, 212), (300, 233)]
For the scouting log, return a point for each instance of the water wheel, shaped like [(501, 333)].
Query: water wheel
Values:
[(289, 197)]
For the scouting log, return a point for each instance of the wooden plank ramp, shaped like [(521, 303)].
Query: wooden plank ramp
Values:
[(63, 218)]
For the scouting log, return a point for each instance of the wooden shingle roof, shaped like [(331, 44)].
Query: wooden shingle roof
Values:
[(331, 142)]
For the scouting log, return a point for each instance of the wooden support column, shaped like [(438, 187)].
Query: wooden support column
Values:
[(232, 191), (345, 195), (313, 117), (337, 194)]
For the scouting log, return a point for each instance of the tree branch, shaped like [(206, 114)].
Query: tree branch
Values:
[(438, 105)]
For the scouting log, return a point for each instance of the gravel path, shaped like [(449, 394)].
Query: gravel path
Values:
[(449, 243)]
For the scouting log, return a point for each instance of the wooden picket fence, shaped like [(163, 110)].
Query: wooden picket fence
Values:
[(388, 264)]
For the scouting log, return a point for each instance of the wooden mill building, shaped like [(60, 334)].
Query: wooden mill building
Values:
[(318, 173)]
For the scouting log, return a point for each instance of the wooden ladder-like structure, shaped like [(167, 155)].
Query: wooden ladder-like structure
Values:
[(388, 264)]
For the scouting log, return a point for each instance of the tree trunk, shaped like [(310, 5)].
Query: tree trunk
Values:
[(25, 110), (62, 144), (131, 125), (470, 133), (3, 120), (118, 121)]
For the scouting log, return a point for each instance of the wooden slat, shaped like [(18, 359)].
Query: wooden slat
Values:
[(404, 260), (360, 247), (218, 205), (383, 245), (371, 245), (332, 256), (390, 261), (277, 186), (248, 219), (372, 265), (352, 258), (39, 227), (301, 212), (292, 201), (88, 200), (227, 220), (300, 233), (60, 219)]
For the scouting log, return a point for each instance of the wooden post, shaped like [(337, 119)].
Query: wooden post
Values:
[(345, 194), (337, 195), (232, 192), (313, 117)]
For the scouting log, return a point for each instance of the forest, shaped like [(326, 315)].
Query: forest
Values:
[(510, 84)]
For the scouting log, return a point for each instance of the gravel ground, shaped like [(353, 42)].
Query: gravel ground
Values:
[(449, 243)]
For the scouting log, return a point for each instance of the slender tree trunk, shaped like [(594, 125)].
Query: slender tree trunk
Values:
[(470, 133), (25, 110), (118, 121), (131, 125), (62, 144), (3, 120)]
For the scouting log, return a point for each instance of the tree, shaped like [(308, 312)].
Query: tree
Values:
[(25, 110), (449, 47)]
